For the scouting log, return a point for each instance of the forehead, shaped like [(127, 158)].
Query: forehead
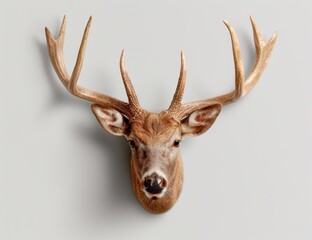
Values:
[(154, 127)]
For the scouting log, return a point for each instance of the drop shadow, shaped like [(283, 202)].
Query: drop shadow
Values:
[(251, 52), (116, 203), (121, 200), (59, 97)]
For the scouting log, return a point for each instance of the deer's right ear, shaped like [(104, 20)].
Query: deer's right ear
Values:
[(111, 120)]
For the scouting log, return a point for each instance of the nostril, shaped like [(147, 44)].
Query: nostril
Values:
[(163, 183), (148, 183)]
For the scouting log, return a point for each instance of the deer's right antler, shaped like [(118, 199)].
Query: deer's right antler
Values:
[(55, 46)]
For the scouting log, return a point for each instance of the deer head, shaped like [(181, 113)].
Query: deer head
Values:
[(154, 138)]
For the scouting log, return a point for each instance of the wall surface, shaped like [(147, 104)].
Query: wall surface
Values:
[(63, 177)]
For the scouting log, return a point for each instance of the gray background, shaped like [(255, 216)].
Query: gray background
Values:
[(63, 177)]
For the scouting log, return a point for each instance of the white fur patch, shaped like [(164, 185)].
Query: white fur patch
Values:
[(110, 119), (213, 113), (153, 170), (114, 117)]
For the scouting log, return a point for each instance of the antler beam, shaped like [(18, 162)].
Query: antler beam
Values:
[(242, 86), (55, 47)]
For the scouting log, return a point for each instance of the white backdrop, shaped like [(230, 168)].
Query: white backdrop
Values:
[(63, 177)]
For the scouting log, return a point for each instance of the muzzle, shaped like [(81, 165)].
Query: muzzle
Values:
[(154, 185)]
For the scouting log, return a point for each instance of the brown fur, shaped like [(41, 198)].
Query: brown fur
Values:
[(163, 204), (153, 129), (151, 125)]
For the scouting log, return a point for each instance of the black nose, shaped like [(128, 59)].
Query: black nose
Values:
[(154, 184)]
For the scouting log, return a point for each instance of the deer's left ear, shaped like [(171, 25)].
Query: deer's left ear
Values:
[(200, 120), (111, 120)]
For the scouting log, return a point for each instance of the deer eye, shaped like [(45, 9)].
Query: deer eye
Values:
[(131, 143), (176, 143)]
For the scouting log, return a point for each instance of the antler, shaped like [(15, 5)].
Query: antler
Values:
[(242, 86), (177, 98), (55, 46)]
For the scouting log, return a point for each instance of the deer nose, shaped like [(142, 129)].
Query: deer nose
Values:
[(154, 184)]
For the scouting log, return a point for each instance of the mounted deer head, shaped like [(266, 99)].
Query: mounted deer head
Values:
[(154, 139)]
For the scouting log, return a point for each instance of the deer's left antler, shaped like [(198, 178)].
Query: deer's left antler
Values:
[(242, 86)]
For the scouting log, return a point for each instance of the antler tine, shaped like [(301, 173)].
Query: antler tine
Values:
[(72, 86), (242, 86), (55, 47), (177, 98), (132, 97), (263, 53), (238, 62)]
